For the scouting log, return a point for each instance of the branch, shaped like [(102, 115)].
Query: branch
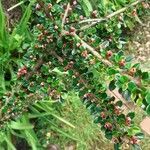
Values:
[(65, 15), (16, 5), (104, 61), (92, 50), (118, 97), (96, 21)]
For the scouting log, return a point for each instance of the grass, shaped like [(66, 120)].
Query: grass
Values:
[(85, 136), (10, 42)]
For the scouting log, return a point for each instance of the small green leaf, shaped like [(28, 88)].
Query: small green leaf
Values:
[(131, 86), (112, 85), (20, 126), (137, 65), (117, 58), (120, 53), (145, 75), (140, 135), (117, 146), (87, 7), (112, 71), (119, 103), (131, 115), (148, 98), (133, 130), (108, 135), (139, 102), (123, 79), (148, 109)]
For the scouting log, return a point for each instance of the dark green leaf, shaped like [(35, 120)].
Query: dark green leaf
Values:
[(112, 85), (117, 146), (131, 86), (112, 71), (119, 103), (148, 109), (108, 135), (148, 98), (145, 75), (131, 115)]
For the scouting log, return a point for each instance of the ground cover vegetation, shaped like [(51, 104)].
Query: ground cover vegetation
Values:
[(65, 54)]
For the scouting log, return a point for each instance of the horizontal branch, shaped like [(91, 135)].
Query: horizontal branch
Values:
[(96, 21)]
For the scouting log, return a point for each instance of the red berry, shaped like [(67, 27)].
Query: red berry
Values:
[(22, 71), (84, 54), (45, 32), (134, 140), (49, 6), (117, 111), (132, 71), (122, 63), (134, 13), (102, 114), (72, 29), (109, 54), (37, 7), (108, 126), (94, 13), (81, 17), (78, 45), (128, 121), (40, 26), (74, 2)]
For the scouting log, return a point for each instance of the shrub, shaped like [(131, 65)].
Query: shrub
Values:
[(74, 48)]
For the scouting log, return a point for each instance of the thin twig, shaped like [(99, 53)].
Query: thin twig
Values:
[(96, 21), (92, 20), (15, 6), (65, 15)]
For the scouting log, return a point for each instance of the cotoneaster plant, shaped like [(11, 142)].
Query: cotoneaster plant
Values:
[(73, 48)]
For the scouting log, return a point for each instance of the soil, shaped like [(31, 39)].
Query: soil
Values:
[(139, 44), (14, 15)]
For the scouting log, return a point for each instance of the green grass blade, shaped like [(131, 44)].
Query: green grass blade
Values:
[(87, 7), (21, 31), (20, 126), (9, 143), (3, 33)]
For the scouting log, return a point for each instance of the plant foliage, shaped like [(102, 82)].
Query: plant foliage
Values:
[(78, 46)]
